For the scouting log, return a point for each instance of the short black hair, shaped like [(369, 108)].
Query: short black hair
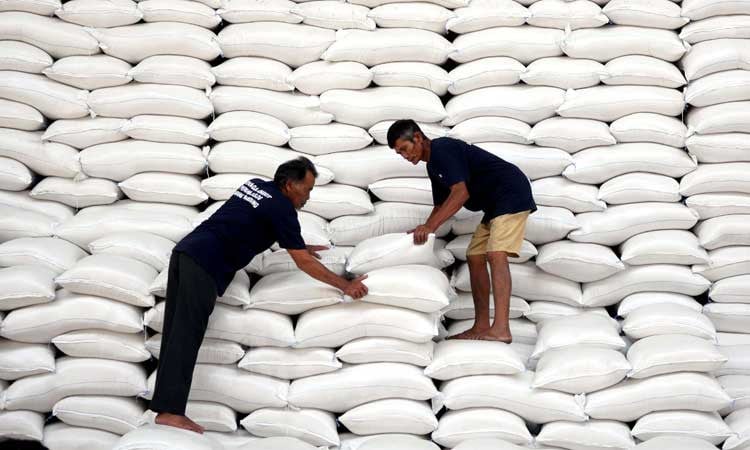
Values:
[(402, 129), (294, 170)]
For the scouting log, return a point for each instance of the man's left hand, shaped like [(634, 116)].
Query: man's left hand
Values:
[(314, 249), (421, 233)]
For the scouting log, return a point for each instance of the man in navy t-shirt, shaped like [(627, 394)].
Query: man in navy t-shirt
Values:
[(203, 264), (466, 175)]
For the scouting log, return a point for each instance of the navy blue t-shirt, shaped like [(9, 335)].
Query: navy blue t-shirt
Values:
[(253, 219), (495, 186)]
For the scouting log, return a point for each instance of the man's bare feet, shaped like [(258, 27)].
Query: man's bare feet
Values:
[(495, 335), (173, 420), (471, 333)]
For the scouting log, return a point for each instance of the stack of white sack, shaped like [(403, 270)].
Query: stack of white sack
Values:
[(716, 71)]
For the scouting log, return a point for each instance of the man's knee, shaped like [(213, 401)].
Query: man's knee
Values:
[(497, 258), (477, 260)]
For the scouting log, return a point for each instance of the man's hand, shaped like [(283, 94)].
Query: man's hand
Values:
[(356, 288), (314, 249), (421, 233)]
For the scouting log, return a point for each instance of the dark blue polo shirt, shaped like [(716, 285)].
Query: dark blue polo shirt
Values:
[(495, 186), (253, 219)]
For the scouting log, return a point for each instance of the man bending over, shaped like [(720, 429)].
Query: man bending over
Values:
[(466, 175), (205, 261)]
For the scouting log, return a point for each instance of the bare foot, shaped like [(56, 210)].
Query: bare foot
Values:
[(495, 335), (471, 333), (173, 420)]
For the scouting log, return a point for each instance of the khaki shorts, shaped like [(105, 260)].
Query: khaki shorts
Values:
[(502, 234)]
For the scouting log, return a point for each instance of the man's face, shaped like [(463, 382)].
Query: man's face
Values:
[(410, 149), (299, 192)]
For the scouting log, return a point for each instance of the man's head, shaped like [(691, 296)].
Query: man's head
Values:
[(407, 139), (295, 179)]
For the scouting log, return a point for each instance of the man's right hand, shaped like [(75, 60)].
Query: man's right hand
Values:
[(356, 288)]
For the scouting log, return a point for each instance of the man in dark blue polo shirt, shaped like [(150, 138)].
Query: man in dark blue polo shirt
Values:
[(203, 264), (465, 175)]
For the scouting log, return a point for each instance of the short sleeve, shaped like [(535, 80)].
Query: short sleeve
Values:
[(449, 164), (288, 229)]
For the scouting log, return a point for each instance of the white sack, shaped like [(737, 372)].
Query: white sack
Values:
[(97, 14), (292, 44), (23, 57), (620, 222), (53, 99), (390, 416), (632, 399), (347, 388), (293, 109), (178, 130), (653, 277), (609, 103), (525, 44), (561, 192), (128, 347), (713, 205), (604, 44), (26, 285), (56, 254), (292, 293), (639, 187), (70, 312), (289, 364), (77, 194), (580, 369), (312, 426), (649, 127), (717, 55), (52, 35), (699, 425), (378, 349), (663, 247), (111, 276), (571, 135), (719, 148), (667, 319), (19, 360), (160, 99), (670, 353), (529, 104), (454, 359), (514, 394), (583, 329), (460, 426), (643, 13), (334, 326), (485, 72), (366, 107), (709, 178), (82, 133), (578, 261), (170, 221), (388, 45), (75, 376), (324, 139), (20, 116), (252, 327), (721, 118), (228, 385), (134, 43), (254, 72), (412, 74), (492, 129)]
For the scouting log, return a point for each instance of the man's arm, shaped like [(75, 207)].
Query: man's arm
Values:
[(307, 263), (459, 194)]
